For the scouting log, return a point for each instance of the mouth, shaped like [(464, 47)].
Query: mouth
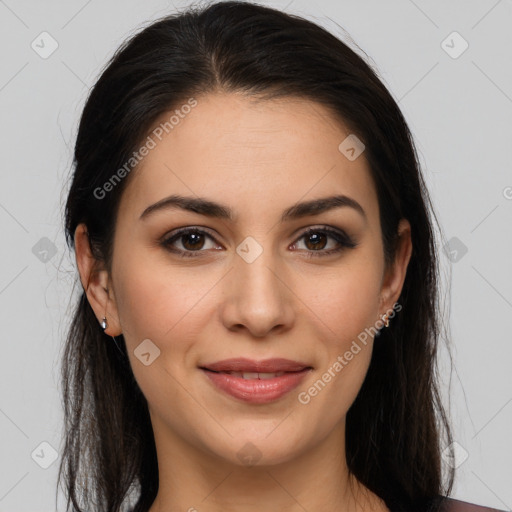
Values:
[(256, 382), (243, 365), (252, 375)]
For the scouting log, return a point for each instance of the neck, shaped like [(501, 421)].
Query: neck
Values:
[(193, 480)]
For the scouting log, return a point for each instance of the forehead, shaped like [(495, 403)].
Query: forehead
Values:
[(251, 154)]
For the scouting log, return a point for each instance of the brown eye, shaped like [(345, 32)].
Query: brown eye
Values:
[(316, 240), (192, 241)]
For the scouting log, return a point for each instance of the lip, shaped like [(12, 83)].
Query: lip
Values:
[(256, 390)]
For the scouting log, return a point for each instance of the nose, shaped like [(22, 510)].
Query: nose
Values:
[(258, 298)]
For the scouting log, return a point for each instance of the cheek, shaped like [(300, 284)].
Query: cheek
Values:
[(156, 309), (153, 298), (347, 301), (349, 310), (167, 305), (346, 310)]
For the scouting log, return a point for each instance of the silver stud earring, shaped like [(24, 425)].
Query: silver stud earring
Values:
[(104, 324), (385, 319)]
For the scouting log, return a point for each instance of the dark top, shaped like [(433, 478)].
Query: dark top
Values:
[(450, 505), (453, 505), (444, 504)]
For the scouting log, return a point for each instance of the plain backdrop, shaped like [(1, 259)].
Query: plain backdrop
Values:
[(448, 65)]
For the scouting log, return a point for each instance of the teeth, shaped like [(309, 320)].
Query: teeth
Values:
[(255, 375), (250, 375), (269, 375)]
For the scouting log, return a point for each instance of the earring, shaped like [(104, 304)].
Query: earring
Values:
[(104, 324), (385, 319)]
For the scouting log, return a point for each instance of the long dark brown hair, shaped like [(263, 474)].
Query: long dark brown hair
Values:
[(397, 427)]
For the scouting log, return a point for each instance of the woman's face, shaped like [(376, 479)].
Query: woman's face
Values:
[(253, 286)]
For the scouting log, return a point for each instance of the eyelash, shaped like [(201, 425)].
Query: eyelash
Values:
[(343, 239)]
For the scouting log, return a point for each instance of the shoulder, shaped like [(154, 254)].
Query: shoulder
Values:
[(453, 505)]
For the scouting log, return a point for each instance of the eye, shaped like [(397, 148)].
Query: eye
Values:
[(191, 239), (315, 240)]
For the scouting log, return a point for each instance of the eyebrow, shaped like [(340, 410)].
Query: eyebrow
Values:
[(215, 210)]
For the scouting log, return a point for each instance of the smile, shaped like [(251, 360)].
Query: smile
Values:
[(256, 382)]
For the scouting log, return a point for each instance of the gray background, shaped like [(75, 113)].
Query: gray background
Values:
[(459, 110)]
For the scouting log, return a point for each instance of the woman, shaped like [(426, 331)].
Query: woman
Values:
[(259, 318)]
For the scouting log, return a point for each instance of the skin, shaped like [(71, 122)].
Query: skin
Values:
[(258, 158)]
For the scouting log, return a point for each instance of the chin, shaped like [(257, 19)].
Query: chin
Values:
[(260, 447)]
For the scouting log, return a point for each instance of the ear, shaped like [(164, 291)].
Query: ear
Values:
[(96, 282), (395, 276)]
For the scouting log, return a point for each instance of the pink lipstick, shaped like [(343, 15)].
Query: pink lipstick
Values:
[(257, 382)]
